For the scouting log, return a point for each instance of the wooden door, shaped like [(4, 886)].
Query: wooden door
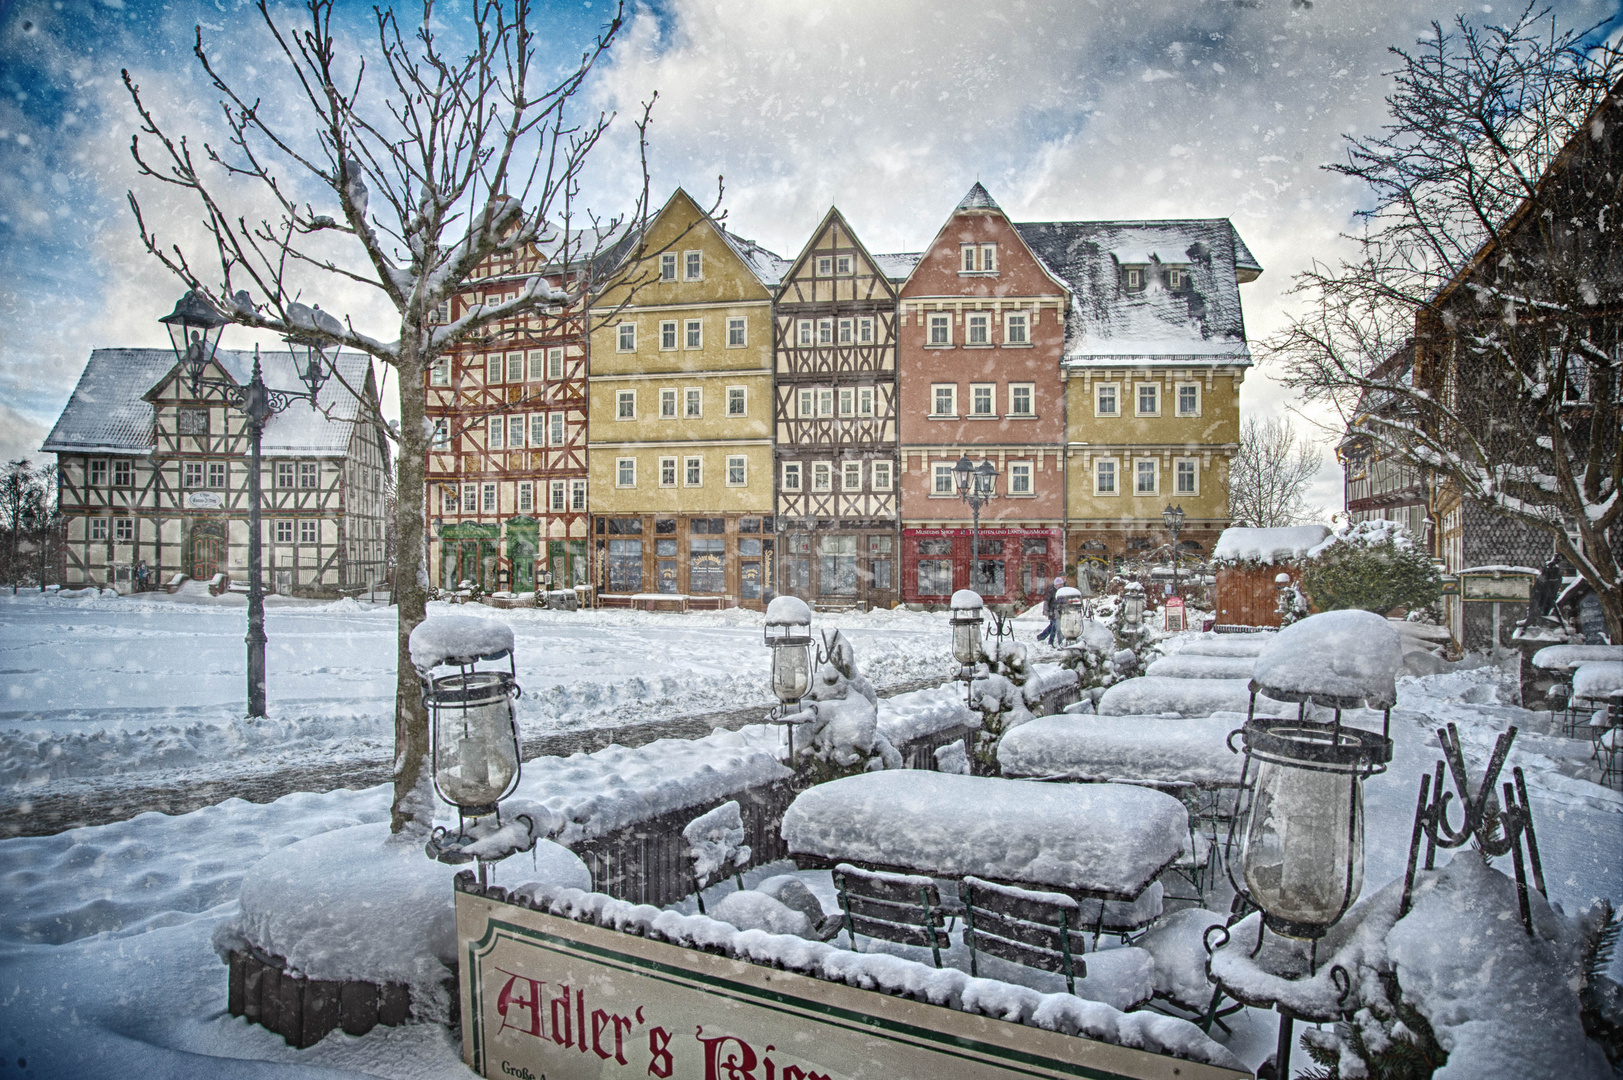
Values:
[(205, 551)]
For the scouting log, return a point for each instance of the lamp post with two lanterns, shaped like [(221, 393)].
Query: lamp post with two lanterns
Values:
[(975, 488), (1172, 517), (194, 329)]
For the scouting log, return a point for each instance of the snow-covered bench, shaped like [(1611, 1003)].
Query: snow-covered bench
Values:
[(1167, 751)]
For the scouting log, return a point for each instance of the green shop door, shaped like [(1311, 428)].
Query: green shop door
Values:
[(523, 545), (566, 560), (470, 554)]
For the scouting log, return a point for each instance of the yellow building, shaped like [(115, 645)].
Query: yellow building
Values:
[(1155, 354), (679, 447)]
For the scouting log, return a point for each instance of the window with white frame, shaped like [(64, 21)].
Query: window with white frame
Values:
[(825, 402), (98, 473), (667, 266), (284, 532), (449, 499), (848, 401), (693, 471), (555, 363), (667, 335), (625, 404), (944, 399), (979, 329), (694, 338), (124, 530), (308, 532), (1149, 399), (737, 400), (626, 339), (864, 331), (440, 373), (470, 498), (515, 432), (557, 492), (284, 473), (1104, 476), (851, 476), (844, 331), (1146, 476), (822, 475), (1177, 277), (625, 472), (442, 434), (538, 429), (218, 473), (737, 471), (825, 266), (842, 265), (693, 265), (515, 367), (692, 402), (667, 403), (1188, 399), (1132, 278), (667, 472), (988, 258), (577, 495), (494, 427), (556, 435), (1186, 476), (191, 474), (737, 332), (864, 401), (941, 479), (1021, 398), (98, 528), (526, 496), (983, 399), (487, 499), (1020, 478), (537, 364), (1107, 400), (123, 473), (493, 368), (803, 332), (881, 475), (308, 473), (1016, 328), (940, 328), (808, 404), (791, 476), (825, 331)]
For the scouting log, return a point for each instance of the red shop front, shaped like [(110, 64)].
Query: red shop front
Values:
[(1014, 565)]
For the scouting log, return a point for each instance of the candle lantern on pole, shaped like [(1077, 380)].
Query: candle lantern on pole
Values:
[(788, 632), (1132, 603), (1068, 606), (968, 618)]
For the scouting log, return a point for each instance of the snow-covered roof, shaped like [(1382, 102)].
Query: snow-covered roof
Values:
[(897, 265), (767, 265), (108, 411), (978, 198), (1268, 545), (1335, 658), (1199, 322)]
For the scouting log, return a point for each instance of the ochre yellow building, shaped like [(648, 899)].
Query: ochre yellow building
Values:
[(680, 406)]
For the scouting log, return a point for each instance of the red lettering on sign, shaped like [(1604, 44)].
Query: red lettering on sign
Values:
[(736, 1065), (580, 1007), (658, 1040), (625, 1022), (563, 1030), (507, 1000)]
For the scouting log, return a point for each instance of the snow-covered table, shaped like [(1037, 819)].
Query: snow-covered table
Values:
[(1567, 657), (1169, 752), (1100, 841)]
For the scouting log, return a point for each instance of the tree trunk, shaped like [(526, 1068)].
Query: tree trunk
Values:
[(413, 788)]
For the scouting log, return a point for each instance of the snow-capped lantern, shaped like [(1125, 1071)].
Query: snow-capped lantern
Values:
[(473, 730), (1068, 605), (1302, 849), (968, 616), (194, 331), (788, 632), (1132, 603)]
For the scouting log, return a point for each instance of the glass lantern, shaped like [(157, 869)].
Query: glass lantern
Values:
[(1302, 852), (1132, 603), (194, 331), (475, 736), (1068, 604), (968, 616), (788, 632)]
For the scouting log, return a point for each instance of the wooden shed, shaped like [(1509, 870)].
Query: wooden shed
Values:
[(1248, 561)]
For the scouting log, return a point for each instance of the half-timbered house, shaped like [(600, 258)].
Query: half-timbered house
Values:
[(506, 472), (681, 416), (835, 411), (154, 479)]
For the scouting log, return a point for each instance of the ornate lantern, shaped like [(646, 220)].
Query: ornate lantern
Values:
[(194, 331), (968, 616), (788, 631), (1068, 604), (1132, 603), (473, 730)]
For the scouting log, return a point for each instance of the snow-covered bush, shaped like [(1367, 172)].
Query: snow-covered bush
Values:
[(999, 698), (842, 736), (716, 843), (1374, 565)]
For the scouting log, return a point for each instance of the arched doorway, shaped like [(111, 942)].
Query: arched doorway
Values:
[(205, 550)]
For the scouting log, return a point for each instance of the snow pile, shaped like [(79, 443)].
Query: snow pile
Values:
[(1226, 644), (843, 731), (888, 974), (716, 841), (1193, 751), (952, 758), (1567, 657), (1108, 838), (1178, 946), (1238, 545), (1187, 665), (1366, 533), (748, 909), (1345, 656), (1153, 695), (1596, 679), (922, 713), (458, 639), (594, 794), (358, 904)]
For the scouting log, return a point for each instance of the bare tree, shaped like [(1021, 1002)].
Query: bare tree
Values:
[(21, 500), (453, 156), (1494, 241), (1269, 477)]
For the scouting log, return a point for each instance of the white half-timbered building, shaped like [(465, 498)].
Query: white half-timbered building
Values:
[(154, 479)]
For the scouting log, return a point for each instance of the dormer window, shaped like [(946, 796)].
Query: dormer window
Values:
[(1177, 277), (978, 258), (1132, 278)]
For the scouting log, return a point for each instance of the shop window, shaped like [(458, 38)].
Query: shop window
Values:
[(935, 577), (625, 564), (881, 568), (837, 566), (707, 564)]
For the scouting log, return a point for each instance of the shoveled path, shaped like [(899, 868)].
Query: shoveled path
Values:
[(70, 804)]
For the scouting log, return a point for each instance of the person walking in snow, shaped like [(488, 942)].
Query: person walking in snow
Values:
[(1051, 610)]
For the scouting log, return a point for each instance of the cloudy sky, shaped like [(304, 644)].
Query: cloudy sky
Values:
[(889, 109)]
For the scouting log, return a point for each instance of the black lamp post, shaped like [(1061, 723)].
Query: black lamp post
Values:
[(195, 328), (975, 488), (1173, 517)]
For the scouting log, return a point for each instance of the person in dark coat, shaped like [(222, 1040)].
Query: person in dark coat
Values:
[(1051, 609)]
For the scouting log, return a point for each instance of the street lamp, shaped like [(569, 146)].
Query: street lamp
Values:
[(194, 330), (975, 488), (1173, 517)]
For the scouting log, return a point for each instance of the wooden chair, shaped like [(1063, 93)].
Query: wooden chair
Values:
[(1041, 930), (904, 908), (1123, 918)]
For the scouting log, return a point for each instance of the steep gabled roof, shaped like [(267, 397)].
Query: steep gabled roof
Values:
[(897, 265), (109, 412), (978, 198), (1201, 322)]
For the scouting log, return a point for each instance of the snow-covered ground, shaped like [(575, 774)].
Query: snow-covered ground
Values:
[(140, 687)]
